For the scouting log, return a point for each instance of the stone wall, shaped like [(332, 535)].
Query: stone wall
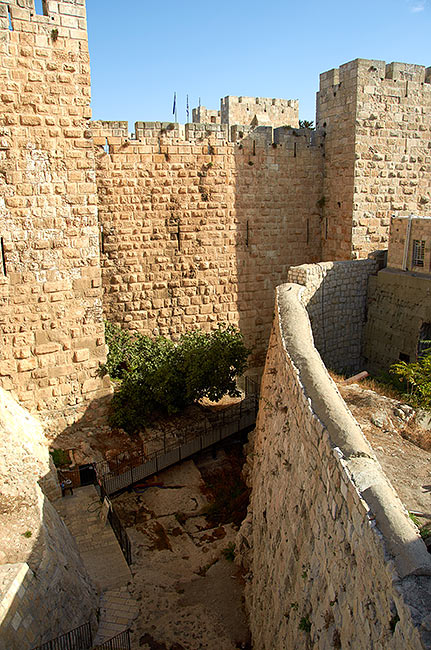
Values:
[(257, 111), (333, 560), (205, 115), (50, 282), (199, 231), (377, 122), (45, 589), (335, 296), (412, 229), (399, 303)]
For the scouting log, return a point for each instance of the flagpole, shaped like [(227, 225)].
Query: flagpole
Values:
[(174, 107)]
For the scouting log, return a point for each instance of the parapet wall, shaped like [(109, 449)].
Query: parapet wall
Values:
[(335, 296), (333, 560), (205, 115), (198, 232)]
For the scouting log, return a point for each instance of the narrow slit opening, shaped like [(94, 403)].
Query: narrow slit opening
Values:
[(10, 19), (3, 258)]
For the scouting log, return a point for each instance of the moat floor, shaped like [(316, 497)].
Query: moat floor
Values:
[(190, 596)]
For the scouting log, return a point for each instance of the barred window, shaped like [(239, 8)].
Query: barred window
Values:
[(418, 252)]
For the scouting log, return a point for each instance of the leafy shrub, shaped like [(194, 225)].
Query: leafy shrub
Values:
[(60, 457), (305, 623), (229, 552), (159, 376), (415, 379)]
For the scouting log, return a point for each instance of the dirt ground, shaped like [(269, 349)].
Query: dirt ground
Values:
[(390, 426), (190, 596)]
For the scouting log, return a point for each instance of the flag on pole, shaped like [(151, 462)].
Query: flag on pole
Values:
[(174, 107), (187, 109)]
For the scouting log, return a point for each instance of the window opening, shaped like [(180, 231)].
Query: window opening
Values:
[(106, 146), (39, 7), (10, 19), (418, 252), (294, 149), (424, 342)]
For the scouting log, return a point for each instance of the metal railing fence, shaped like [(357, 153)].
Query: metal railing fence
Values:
[(119, 642), (114, 476), (79, 638)]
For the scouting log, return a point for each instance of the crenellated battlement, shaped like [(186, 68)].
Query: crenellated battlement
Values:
[(157, 134), (374, 70), (60, 20)]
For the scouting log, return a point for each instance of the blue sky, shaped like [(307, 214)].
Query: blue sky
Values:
[(141, 52)]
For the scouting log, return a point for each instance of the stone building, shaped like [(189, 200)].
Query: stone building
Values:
[(399, 297), (250, 111)]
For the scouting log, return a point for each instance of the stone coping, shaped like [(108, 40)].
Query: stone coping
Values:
[(400, 536)]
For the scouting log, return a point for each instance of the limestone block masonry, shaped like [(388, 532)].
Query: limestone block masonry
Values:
[(200, 232), (333, 560), (410, 244), (177, 226), (259, 111), (52, 336), (399, 303), (376, 118), (45, 590), (335, 296)]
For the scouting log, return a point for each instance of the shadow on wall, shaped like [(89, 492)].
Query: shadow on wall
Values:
[(335, 296), (278, 186), (201, 234), (45, 588)]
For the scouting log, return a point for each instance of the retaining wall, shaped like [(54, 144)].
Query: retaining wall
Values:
[(333, 560), (399, 302), (45, 590), (335, 296)]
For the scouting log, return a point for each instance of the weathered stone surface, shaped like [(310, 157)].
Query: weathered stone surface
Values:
[(331, 553), (335, 295), (45, 590), (399, 303), (48, 225)]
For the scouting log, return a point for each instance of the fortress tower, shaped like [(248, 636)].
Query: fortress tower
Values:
[(376, 118), (52, 336)]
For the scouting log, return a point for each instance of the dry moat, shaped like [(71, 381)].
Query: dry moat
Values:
[(182, 530)]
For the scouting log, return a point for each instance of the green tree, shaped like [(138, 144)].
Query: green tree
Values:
[(415, 379), (159, 376), (306, 124)]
